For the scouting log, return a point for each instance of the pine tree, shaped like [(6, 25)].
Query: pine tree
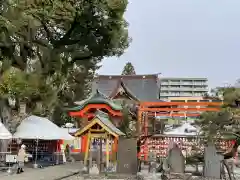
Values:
[(128, 69), (218, 124)]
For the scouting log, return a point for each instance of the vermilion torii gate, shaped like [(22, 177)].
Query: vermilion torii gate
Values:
[(172, 109)]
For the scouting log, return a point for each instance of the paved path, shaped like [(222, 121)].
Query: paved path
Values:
[(49, 173), (103, 177)]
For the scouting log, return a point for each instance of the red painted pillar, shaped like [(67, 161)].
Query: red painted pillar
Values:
[(83, 143), (59, 143), (115, 145)]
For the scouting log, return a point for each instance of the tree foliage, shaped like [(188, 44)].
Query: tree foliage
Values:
[(54, 47), (127, 123), (225, 122), (128, 69)]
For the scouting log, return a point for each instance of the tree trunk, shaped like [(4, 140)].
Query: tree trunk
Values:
[(10, 119), (3, 149), (5, 115)]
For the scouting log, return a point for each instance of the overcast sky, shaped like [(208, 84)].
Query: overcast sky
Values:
[(183, 38)]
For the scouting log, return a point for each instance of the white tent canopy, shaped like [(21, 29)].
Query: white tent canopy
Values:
[(34, 127), (4, 133), (184, 129)]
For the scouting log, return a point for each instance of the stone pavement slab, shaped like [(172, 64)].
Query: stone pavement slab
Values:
[(49, 173)]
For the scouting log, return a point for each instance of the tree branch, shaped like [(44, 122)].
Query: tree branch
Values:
[(67, 35), (44, 24), (20, 62), (40, 58)]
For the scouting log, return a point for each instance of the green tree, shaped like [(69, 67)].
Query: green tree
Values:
[(59, 43), (128, 124), (222, 124), (128, 69), (227, 121)]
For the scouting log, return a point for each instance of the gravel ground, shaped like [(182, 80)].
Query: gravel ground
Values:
[(144, 174), (66, 169)]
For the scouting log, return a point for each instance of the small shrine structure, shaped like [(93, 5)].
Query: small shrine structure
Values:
[(86, 110), (97, 101), (109, 93), (141, 95), (98, 132)]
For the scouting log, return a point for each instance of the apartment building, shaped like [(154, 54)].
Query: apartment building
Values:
[(187, 99), (183, 87)]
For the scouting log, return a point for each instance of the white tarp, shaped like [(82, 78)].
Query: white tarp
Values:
[(4, 133), (34, 127), (185, 129)]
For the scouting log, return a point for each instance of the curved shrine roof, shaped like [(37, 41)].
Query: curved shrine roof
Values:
[(143, 87), (96, 98), (103, 120)]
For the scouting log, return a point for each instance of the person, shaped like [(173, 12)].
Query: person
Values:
[(63, 154), (21, 157), (67, 152)]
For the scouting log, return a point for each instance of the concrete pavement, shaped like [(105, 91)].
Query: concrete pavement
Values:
[(50, 173)]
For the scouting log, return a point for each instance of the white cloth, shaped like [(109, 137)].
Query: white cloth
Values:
[(4, 133), (34, 127), (63, 156)]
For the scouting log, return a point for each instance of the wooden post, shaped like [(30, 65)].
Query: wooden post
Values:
[(139, 121), (114, 149), (87, 148), (90, 152), (101, 156), (107, 151), (162, 126), (145, 124), (153, 125)]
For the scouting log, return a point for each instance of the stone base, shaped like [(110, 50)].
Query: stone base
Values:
[(203, 178)]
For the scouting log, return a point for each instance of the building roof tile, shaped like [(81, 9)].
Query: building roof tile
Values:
[(144, 87), (104, 118), (96, 98)]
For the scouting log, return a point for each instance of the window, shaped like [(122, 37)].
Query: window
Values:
[(187, 86), (163, 87), (186, 94), (164, 82), (177, 100), (187, 82), (191, 100), (198, 94), (215, 100), (175, 94), (199, 82), (175, 87), (176, 82), (77, 142), (204, 100)]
